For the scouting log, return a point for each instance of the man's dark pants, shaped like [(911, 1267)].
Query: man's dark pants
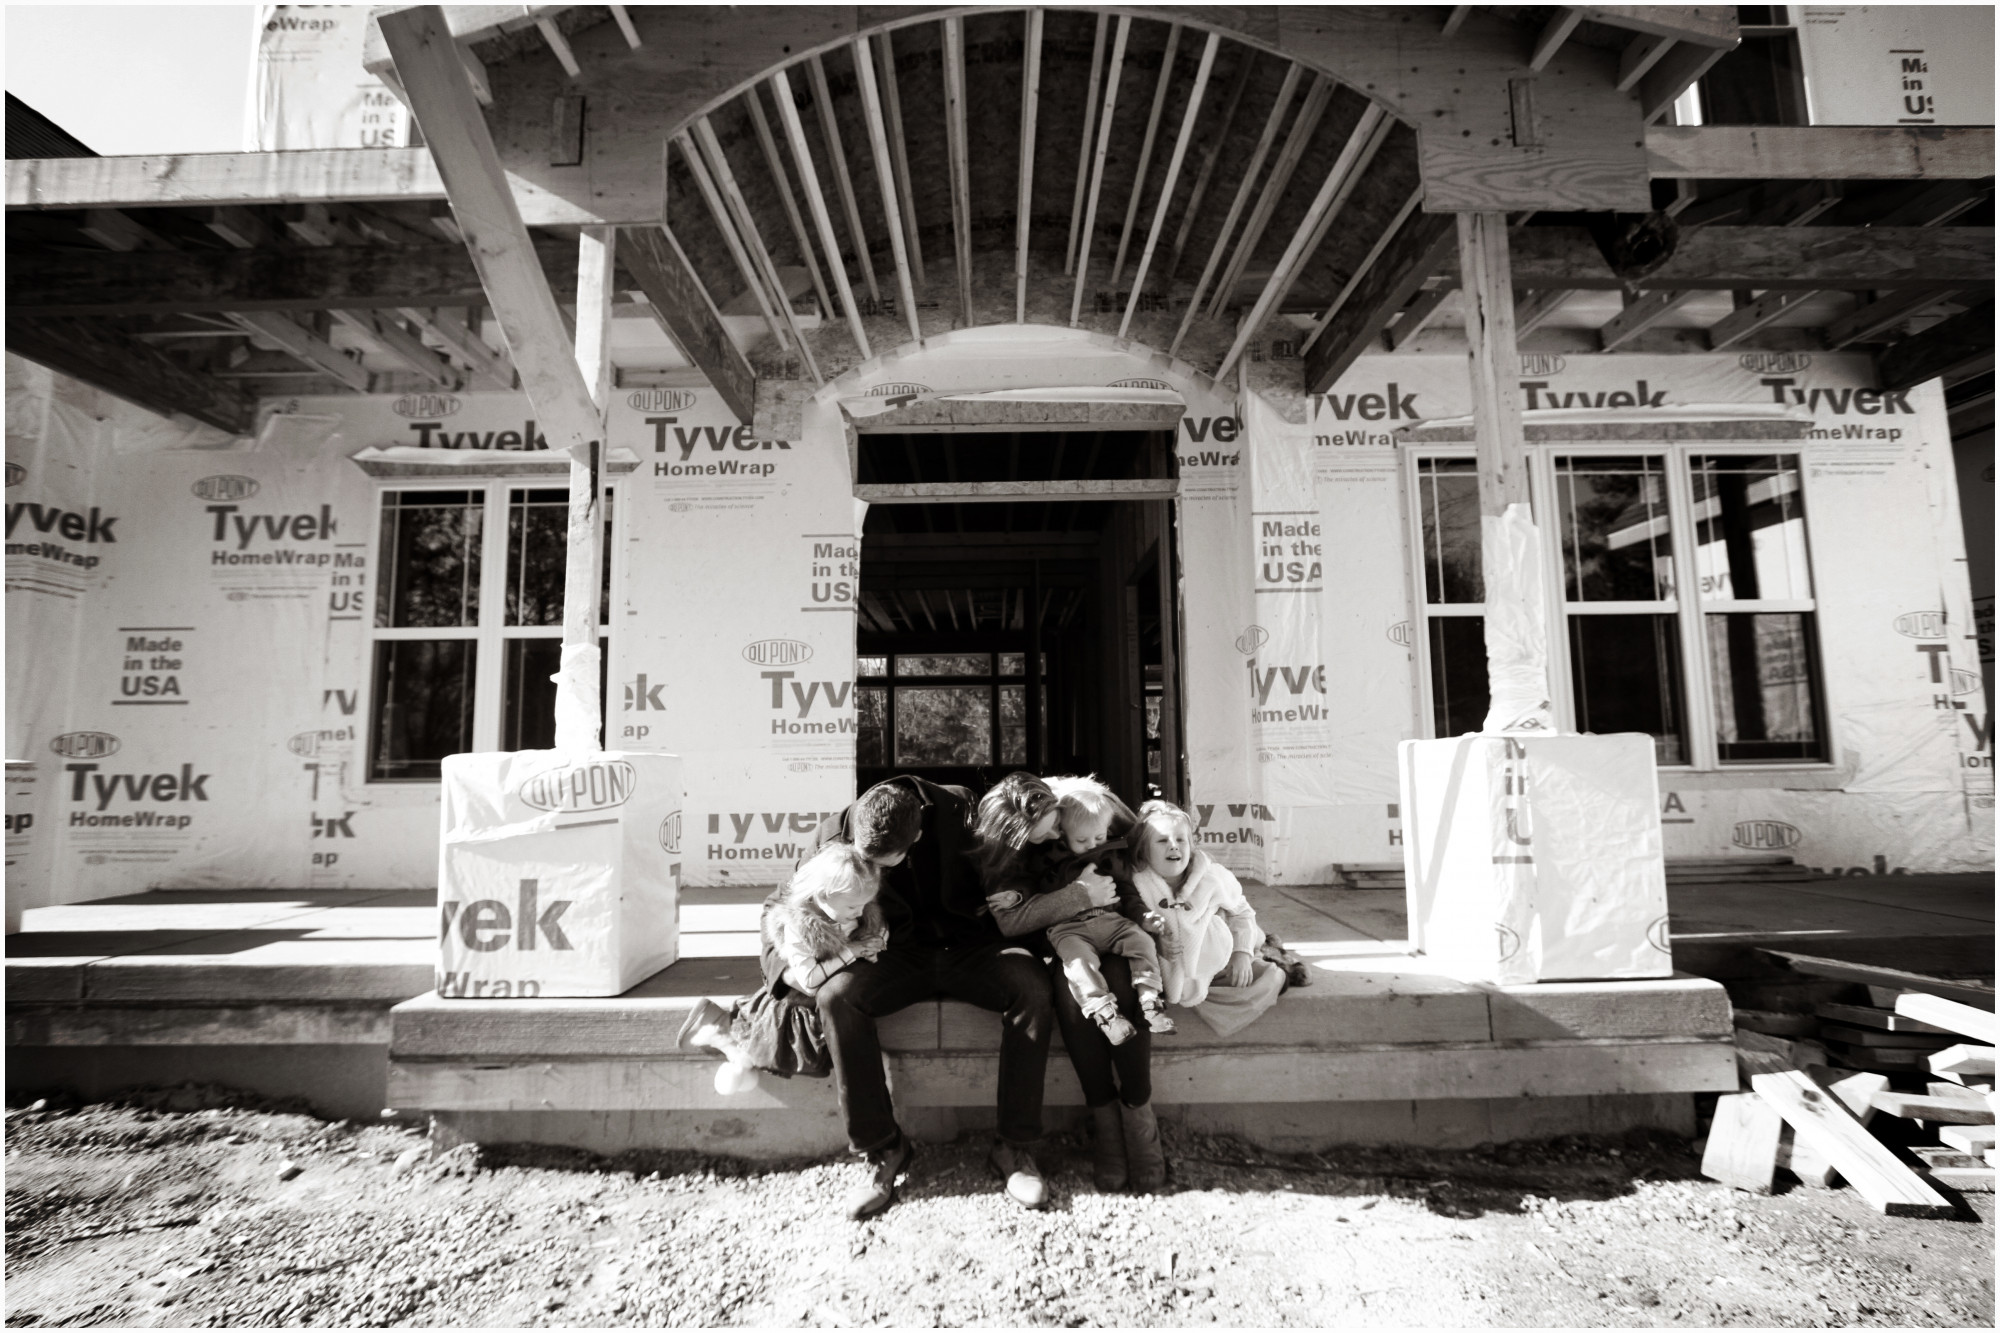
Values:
[(996, 976)]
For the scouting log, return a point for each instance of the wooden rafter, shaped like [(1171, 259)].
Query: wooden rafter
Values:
[(1640, 314), (1419, 246), (959, 169), (1820, 152), (775, 163), (1160, 87), (1532, 309), (559, 45), (687, 314), (718, 209), (795, 133), (1417, 317), (1951, 349), (1455, 19), (1871, 320), (306, 345), (878, 142), (892, 102), (451, 329), (1553, 34), (1640, 55), (1083, 153), (1303, 126), (101, 356), (1244, 66), (843, 181), (753, 240), (1024, 195), (1173, 173), (1104, 119), (625, 28)]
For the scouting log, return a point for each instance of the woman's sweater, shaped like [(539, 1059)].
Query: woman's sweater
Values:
[(1036, 887)]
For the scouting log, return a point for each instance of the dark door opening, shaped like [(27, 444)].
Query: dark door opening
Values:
[(960, 600)]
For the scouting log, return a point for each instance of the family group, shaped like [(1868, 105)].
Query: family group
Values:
[(1048, 901)]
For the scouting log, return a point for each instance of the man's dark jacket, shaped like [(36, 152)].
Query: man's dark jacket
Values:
[(934, 897)]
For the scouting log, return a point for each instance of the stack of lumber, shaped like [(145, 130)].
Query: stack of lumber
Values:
[(1896, 1131)]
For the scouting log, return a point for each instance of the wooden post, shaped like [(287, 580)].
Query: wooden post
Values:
[(579, 728), (1516, 627)]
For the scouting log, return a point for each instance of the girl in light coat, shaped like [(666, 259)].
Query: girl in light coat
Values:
[(1208, 932)]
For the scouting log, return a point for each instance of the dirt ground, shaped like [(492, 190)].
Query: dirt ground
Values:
[(192, 1207)]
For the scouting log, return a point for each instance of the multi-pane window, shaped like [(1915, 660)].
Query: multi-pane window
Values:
[(467, 625), (941, 710), (1708, 645)]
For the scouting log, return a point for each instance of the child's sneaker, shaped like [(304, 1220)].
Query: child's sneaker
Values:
[(1117, 1030), (732, 1079), (1155, 1010)]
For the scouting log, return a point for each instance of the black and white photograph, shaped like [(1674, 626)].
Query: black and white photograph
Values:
[(1143, 666)]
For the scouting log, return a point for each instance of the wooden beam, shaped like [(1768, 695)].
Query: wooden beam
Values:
[(1382, 242), (1244, 66), (1866, 323), (959, 169), (559, 45), (625, 28), (1827, 1126), (1765, 258), (1097, 166), (104, 358), (1455, 19), (1419, 314), (1820, 152), (746, 224), (1009, 492), (1674, 74), (1936, 205), (240, 227), (484, 208), (114, 230), (1083, 153), (1973, 993), (1705, 25), (755, 100), (1024, 193), (1640, 55), (306, 345), (892, 103), (1310, 112), (1419, 247), (843, 182), (878, 142), (1553, 34), (657, 263), (449, 328), (1293, 73), (1532, 309), (1746, 319), (1952, 348), (578, 703), (1173, 175), (746, 267), (400, 344), (1495, 364), (1145, 162), (795, 133), (1366, 138), (1638, 316)]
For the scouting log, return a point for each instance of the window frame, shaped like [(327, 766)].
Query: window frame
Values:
[(1689, 607), (492, 632)]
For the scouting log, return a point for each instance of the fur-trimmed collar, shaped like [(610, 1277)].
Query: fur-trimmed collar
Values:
[(812, 929)]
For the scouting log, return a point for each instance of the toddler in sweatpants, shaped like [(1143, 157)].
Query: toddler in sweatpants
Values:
[(1090, 813)]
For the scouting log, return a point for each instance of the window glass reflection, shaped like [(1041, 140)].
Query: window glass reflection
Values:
[(1750, 528), (1616, 535), (1628, 678), (430, 559), (1448, 494), (939, 726), (1766, 706)]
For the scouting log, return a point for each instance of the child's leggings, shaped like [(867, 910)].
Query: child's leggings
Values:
[(1081, 941)]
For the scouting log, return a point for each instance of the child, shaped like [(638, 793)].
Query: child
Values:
[(1087, 810), (1209, 938), (825, 920)]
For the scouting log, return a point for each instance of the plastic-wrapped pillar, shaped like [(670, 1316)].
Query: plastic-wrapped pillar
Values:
[(578, 703), (1517, 641)]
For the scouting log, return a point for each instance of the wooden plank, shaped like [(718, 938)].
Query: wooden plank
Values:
[(1804, 1161), (788, 112), (959, 169), (1269, 136), (1948, 1110), (1382, 241), (776, 165), (1311, 112), (449, 328), (195, 1025), (1869, 321), (1950, 349), (1888, 1059), (1638, 316), (1956, 1092), (1745, 320), (1097, 165), (1641, 55), (843, 183), (1024, 193), (1419, 248), (559, 45), (1680, 1006), (1952, 1016), (892, 103), (1867, 1016), (1244, 67), (1455, 19), (1963, 1062), (1418, 315), (753, 274), (1742, 1147), (138, 372), (1708, 25), (1867, 974), (1923, 1041), (1967, 1138), (878, 143), (315, 351), (1776, 1024), (1004, 492), (1820, 152), (1145, 160), (746, 226), (1083, 153), (404, 346), (1674, 74), (326, 175), (1821, 1120), (625, 28), (657, 263), (1174, 161), (1940, 1156), (1966, 1179), (1723, 258), (485, 210), (1553, 34), (1854, 1089)]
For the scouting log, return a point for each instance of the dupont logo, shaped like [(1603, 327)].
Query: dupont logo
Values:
[(661, 400), (598, 785), (16, 474), (777, 652), (1537, 364), (898, 390), (1399, 634), (1658, 937), (1963, 681), (1775, 363), (425, 406), (1920, 624), (1765, 835), (1251, 639), (799, 766), (670, 834), (224, 488), (1506, 940), (85, 744), (1141, 384), (310, 744)]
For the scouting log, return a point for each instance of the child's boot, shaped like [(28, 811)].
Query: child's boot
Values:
[(1104, 1012), (1107, 1159), (1154, 1007), (1145, 1162), (732, 1078)]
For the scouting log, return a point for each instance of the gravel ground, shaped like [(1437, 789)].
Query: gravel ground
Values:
[(194, 1207)]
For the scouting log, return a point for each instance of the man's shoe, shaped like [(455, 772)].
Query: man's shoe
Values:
[(1145, 1163), (880, 1191), (1107, 1149), (1016, 1165)]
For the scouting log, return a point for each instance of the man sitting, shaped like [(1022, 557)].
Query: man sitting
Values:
[(942, 943)]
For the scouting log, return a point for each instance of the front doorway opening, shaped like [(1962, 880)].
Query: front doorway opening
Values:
[(1039, 634)]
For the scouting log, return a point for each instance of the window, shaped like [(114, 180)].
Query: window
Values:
[(467, 626), (1727, 675), (942, 710), (1762, 81)]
